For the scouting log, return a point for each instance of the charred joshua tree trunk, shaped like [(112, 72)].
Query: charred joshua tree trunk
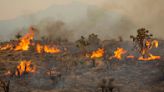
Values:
[(93, 63), (5, 85)]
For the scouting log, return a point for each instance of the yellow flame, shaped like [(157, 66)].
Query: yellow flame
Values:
[(151, 57), (6, 47), (25, 67), (52, 50), (39, 48), (25, 41), (118, 53), (97, 54), (47, 49), (155, 43), (148, 43), (130, 57)]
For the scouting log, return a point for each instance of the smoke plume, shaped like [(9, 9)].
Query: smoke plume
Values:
[(107, 18)]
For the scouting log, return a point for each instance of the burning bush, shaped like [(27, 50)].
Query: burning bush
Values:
[(97, 54)]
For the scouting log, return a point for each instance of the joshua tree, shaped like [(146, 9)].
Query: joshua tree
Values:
[(82, 43), (93, 39), (18, 36), (142, 41)]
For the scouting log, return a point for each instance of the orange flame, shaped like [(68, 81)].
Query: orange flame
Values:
[(52, 50), (151, 57), (25, 41), (47, 49), (6, 47), (130, 57), (118, 53), (24, 67), (148, 43), (155, 42), (39, 48), (97, 54)]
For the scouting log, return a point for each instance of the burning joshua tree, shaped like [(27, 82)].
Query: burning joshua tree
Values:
[(144, 42), (24, 67), (25, 40)]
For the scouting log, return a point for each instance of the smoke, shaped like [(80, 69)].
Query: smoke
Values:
[(106, 24), (142, 13), (107, 18), (53, 30), (122, 18)]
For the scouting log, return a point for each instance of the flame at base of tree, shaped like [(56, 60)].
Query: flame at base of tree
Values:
[(145, 51), (47, 49), (118, 53), (25, 67), (144, 43), (151, 57), (97, 54)]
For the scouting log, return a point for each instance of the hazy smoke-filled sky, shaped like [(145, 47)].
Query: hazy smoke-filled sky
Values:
[(13, 8), (121, 17)]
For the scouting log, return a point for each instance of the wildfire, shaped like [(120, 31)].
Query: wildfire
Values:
[(151, 57), (47, 49), (97, 54), (25, 40), (155, 42), (25, 67), (39, 48), (6, 47), (118, 53), (130, 57)]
